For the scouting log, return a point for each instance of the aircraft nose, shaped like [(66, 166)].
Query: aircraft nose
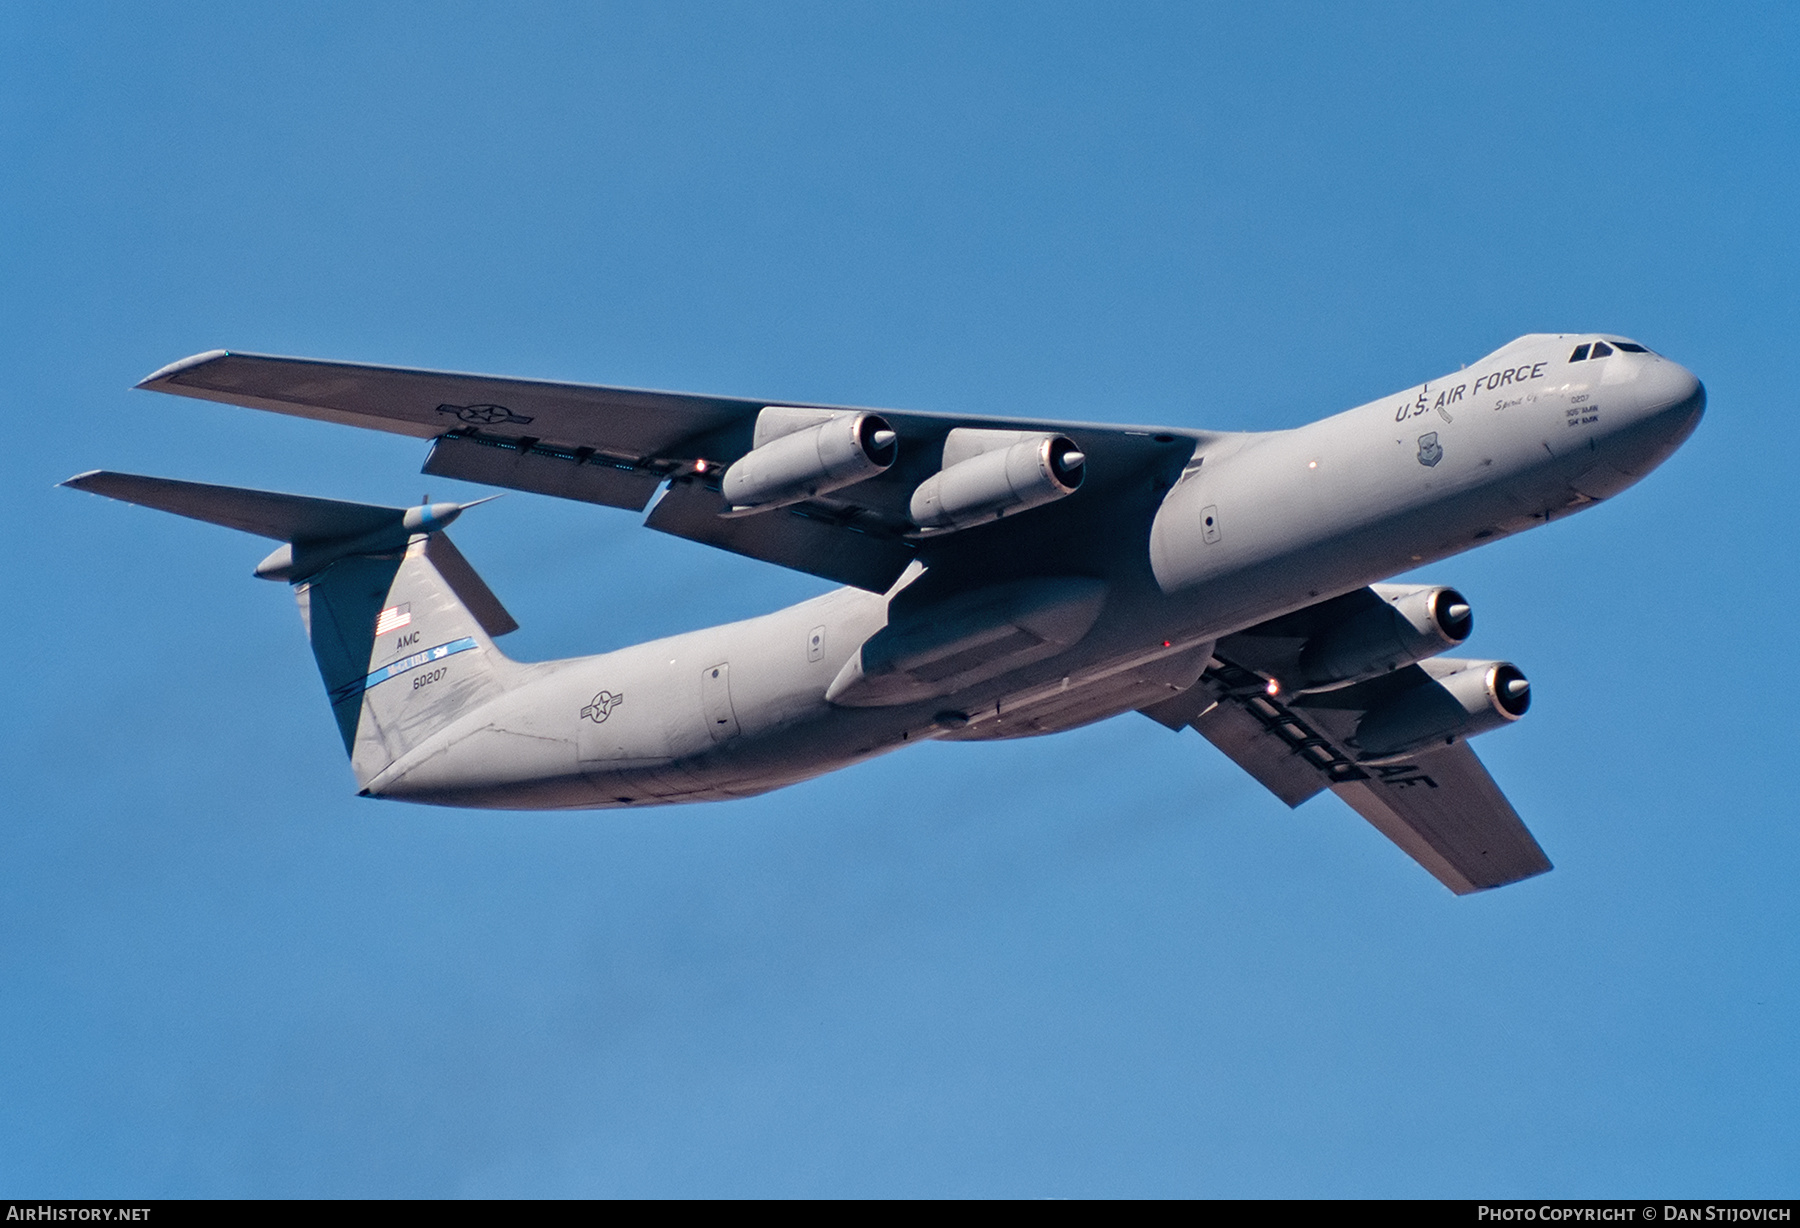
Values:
[(1663, 384), (1671, 396), (1662, 404)]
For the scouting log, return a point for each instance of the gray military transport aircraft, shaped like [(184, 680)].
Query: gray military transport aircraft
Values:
[(1005, 578)]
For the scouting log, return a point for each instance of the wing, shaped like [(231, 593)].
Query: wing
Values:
[(617, 446), (1447, 814), (1441, 806)]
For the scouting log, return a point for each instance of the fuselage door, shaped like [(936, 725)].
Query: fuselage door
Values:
[(715, 701)]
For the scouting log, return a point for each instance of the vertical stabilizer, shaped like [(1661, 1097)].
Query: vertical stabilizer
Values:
[(401, 654)]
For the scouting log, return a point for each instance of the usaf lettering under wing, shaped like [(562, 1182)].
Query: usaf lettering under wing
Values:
[(1005, 578)]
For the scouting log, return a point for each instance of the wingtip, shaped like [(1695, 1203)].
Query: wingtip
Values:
[(164, 374), (76, 482)]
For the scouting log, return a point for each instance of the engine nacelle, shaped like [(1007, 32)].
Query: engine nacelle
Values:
[(990, 474), (801, 453), (1464, 699), (1410, 625)]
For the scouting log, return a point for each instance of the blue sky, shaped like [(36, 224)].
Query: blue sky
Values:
[(1100, 964)]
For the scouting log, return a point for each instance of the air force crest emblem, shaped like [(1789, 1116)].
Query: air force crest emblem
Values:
[(602, 706), (1430, 451)]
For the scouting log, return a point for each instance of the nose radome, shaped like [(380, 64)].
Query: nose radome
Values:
[(1679, 401), (1665, 405), (1663, 386)]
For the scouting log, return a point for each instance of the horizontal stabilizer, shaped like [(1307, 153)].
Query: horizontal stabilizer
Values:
[(288, 518), (320, 531)]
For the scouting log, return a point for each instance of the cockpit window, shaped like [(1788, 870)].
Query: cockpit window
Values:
[(1599, 349)]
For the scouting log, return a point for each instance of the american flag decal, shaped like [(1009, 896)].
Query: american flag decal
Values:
[(393, 618)]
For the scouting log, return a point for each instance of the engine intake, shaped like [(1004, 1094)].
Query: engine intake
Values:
[(1472, 697), (990, 474), (803, 453), (1410, 625)]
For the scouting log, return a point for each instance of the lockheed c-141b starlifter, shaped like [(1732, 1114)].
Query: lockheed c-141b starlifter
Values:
[(1005, 578)]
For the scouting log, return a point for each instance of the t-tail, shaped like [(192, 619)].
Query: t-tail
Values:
[(401, 626)]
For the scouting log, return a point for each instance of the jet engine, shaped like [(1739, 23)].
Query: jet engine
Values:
[(801, 453), (990, 474), (1410, 625), (1467, 698)]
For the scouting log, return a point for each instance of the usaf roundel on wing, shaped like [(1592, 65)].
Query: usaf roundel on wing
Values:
[(484, 415)]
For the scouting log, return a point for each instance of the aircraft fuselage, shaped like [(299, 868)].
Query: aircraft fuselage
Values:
[(1254, 526)]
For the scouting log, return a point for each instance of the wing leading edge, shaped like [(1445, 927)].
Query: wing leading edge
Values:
[(630, 424)]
